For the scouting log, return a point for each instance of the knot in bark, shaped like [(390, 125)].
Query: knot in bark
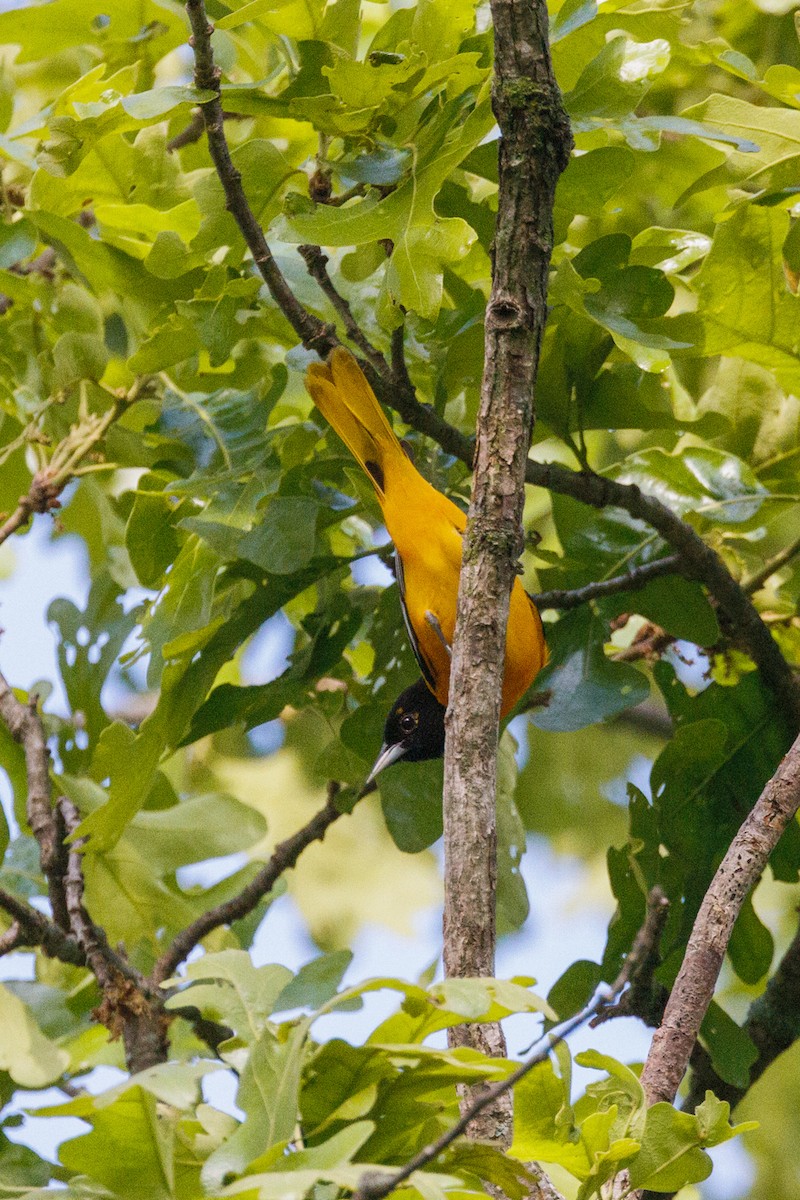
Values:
[(505, 312), (43, 495)]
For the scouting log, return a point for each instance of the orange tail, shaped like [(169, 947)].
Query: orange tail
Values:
[(348, 403)]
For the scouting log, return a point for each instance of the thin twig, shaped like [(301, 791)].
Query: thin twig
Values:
[(316, 264), (399, 369), (376, 1188), (737, 873), (283, 858), (753, 582), (49, 482), (25, 726), (631, 581), (196, 128)]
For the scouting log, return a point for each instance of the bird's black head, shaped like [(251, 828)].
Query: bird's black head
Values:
[(414, 729)]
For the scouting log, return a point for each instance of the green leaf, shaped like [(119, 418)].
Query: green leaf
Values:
[(512, 896), (732, 1052), (242, 995), (751, 946), (18, 240), (78, 356), (268, 1096), (31, 1059), (678, 605), (143, 1148), (283, 542), (715, 485), (423, 242), (671, 1155), (411, 800), (315, 983), (745, 307), (584, 685)]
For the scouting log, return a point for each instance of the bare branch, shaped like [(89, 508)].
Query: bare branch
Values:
[(316, 262), (399, 368), (647, 938), (753, 582), (737, 873), (773, 1025), (12, 939), (37, 930), (196, 128), (104, 962), (312, 332), (283, 858), (127, 1009), (25, 726), (632, 581)]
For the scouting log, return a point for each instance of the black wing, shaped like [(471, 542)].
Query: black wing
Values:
[(428, 673)]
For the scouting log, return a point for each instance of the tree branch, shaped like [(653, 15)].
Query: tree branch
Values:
[(632, 581), (316, 263), (127, 1009), (49, 482), (197, 127), (283, 858), (773, 1025), (104, 962), (373, 1188), (534, 149), (25, 726), (34, 929), (313, 333), (737, 873)]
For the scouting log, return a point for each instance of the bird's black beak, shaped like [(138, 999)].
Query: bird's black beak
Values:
[(388, 755)]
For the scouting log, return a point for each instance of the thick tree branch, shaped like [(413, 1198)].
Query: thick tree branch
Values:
[(632, 581), (284, 857), (534, 149), (738, 872), (773, 1025)]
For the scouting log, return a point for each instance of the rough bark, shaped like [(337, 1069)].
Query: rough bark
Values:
[(739, 870), (534, 149)]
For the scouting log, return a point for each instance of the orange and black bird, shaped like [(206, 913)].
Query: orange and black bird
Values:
[(427, 530)]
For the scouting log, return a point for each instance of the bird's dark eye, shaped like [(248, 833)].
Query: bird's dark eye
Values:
[(408, 722)]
